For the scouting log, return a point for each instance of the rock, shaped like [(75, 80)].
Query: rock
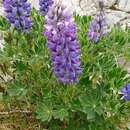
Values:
[(2, 10), (90, 7), (116, 10), (124, 5), (116, 16), (34, 3)]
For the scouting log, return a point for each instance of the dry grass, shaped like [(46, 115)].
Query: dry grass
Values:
[(18, 121)]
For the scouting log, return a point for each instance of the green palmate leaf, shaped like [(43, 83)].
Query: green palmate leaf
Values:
[(91, 104), (61, 114), (20, 66), (16, 89), (44, 112), (90, 114)]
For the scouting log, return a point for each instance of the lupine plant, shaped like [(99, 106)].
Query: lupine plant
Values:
[(99, 26), (39, 70), (64, 46)]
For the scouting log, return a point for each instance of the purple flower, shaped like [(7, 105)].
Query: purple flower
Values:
[(126, 92), (45, 5), (62, 42), (18, 13), (98, 27)]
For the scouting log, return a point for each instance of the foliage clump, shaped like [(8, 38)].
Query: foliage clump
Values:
[(94, 103)]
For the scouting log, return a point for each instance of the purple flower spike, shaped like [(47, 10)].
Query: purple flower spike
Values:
[(18, 13), (126, 92), (45, 5), (62, 42), (98, 27)]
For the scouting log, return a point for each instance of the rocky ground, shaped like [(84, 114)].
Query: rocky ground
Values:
[(118, 11)]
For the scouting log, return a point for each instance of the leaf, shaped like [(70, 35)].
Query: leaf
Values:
[(16, 89), (61, 114), (44, 112), (20, 66), (91, 104), (90, 115)]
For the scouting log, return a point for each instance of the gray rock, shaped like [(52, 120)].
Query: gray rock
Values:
[(116, 10), (35, 3), (116, 16), (124, 5), (2, 10), (90, 7)]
